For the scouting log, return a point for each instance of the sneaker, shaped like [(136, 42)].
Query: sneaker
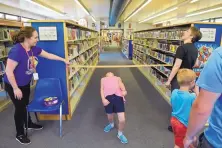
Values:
[(108, 128), (123, 139), (170, 128), (34, 126), (23, 139)]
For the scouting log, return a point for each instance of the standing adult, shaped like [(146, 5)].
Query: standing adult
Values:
[(186, 57), (208, 104), (21, 64)]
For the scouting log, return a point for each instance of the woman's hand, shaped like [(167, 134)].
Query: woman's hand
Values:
[(190, 143), (105, 102), (66, 62), (18, 93), (167, 84)]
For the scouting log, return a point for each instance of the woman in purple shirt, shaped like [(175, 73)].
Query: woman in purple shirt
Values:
[(21, 64)]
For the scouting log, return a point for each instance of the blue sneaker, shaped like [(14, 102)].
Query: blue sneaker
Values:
[(108, 128), (122, 139)]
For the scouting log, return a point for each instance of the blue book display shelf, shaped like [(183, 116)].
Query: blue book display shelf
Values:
[(75, 43), (127, 48)]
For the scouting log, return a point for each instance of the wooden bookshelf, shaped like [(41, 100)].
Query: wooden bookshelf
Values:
[(159, 45), (7, 27), (77, 44)]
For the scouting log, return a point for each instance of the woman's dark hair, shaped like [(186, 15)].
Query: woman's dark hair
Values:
[(197, 35), (25, 32)]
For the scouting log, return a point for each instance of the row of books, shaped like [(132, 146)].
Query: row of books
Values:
[(141, 51), (78, 48), (157, 45), (75, 80), (162, 69), (4, 49), (161, 57), (168, 47), (172, 34), (7, 33), (152, 71), (81, 59), (78, 34)]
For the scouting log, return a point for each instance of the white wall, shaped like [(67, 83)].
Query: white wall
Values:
[(135, 27), (19, 12)]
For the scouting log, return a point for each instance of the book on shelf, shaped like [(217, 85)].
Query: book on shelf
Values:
[(79, 34)]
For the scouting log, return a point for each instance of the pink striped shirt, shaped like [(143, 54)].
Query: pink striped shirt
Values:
[(111, 86)]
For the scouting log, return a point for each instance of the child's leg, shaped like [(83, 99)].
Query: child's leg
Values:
[(110, 118), (121, 118), (110, 114), (176, 146), (111, 123)]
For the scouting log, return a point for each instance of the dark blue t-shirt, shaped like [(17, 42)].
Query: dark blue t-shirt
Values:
[(211, 80), (23, 71)]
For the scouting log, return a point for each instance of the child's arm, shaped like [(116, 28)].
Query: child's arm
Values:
[(101, 90), (104, 100), (122, 87)]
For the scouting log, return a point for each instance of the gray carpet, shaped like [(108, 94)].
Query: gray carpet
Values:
[(147, 117)]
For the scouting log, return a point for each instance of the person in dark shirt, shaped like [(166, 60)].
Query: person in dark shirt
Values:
[(186, 57)]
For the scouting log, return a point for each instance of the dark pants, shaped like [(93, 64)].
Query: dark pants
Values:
[(20, 115), (174, 84), (203, 143)]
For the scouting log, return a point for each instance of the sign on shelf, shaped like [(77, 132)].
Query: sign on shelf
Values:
[(208, 34), (47, 34)]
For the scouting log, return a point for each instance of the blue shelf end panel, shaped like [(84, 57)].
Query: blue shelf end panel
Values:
[(205, 48), (130, 50), (50, 68)]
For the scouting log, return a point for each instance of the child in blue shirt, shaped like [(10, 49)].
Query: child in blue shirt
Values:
[(181, 101)]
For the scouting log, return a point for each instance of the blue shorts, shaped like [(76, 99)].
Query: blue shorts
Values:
[(116, 104)]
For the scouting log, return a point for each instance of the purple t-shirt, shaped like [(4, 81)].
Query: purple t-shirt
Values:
[(23, 71)]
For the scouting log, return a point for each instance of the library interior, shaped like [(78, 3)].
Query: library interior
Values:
[(111, 73)]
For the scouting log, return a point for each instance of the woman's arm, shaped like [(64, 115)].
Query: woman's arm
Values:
[(175, 69), (122, 87), (10, 67), (9, 70), (52, 56)]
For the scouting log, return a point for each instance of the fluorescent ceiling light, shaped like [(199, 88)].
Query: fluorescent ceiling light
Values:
[(202, 12), (11, 17), (193, 1), (167, 11), (84, 9), (93, 18), (37, 4), (164, 21), (25, 19), (1, 15), (140, 8)]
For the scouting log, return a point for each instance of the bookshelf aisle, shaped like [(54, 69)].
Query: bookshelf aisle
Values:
[(159, 45), (7, 28), (127, 48), (77, 44)]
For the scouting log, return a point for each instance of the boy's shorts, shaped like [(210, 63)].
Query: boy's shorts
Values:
[(179, 131), (116, 104)]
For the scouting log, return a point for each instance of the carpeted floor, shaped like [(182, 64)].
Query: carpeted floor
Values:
[(147, 115)]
